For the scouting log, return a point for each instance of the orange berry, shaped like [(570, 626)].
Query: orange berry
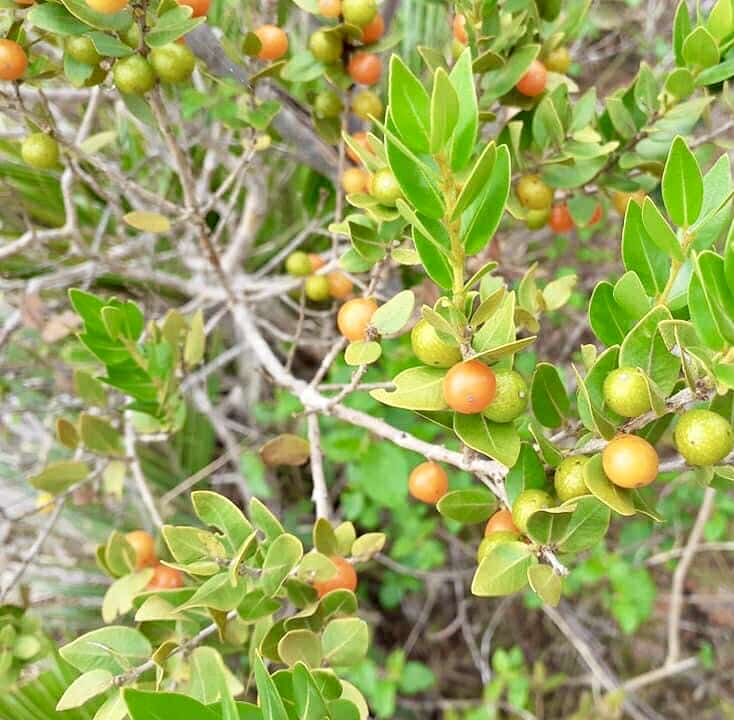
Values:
[(200, 7), (365, 68), (469, 387), (355, 180), (560, 219), (501, 521), (107, 7), (345, 578), (374, 30), (165, 578), (13, 60), (361, 139), (273, 41), (144, 546), (460, 29), (629, 461), (354, 317), (532, 83), (428, 482), (340, 286), (330, 8), (317, 262)]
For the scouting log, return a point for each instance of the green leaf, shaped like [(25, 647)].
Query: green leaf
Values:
[(558, 292), (367, 545), (465, 133), (264, 520), (189, 545), (548, 398), (499, 441), (302, 67), (286, 449), (99, 436), (642, 254), (590, 412), (575, 526), (84, 688), (716, 74), (478, 179), (114, 648), (145, 705), (362, 352), (711, 301), (55, 18), (433, 252), (282, 557), (547, 126), (526, 474), (682, 185), (472, 505), (681, 30), (101, 21), (419, 388), (444, 111), (503, 570), (256, 604), (300, 646), (118, 600), (660, 232), (58, 477), (109, 46), (480, 220), (681, 82), (172, 25), (216, 593), (498, 332), (89, 389), (221, 513), (395, 313), (609, 321), (309, 701), (410, 107), (195, 341), (344, 641), (618, 499), (503, 80), (620, 117), (546, 584), (721, 19), (211, 680), (700, 49)]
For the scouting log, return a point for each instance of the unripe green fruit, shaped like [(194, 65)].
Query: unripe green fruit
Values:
[(40, 151), (558, 60), (528, 502), (533, 193), (327, 104), (316, 288), (173, 62), (502, 536), (326, 47), (131, 36), (549, 9), (569, 478), (384, 187), (82, 49), (367, 105), (298, 264), (536, 219), (625, 392), (133, 75), (359, 12), (430, 349), (703, 437), (511, 397)]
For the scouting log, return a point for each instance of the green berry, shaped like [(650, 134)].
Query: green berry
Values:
[(326, 47), (327, 104), (298, 264), (40, 151), (316, 288), (533, 193), (703, 437), (359, 12), (430, 349), (367, 105), (528, 502), (384, 187), (569, 478), (173, 62), (133, 75), (625, 392), (511, 397), (537, 219), (501, 536), (81, 49)]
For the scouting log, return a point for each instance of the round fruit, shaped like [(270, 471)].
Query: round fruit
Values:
[(355, 180), (13, 60), (560, 219), (374, 30), (330, 8), (536, 219), (430, 349), (317, 262), (326, 47), (549, 9), (316, 288), (360, 138), (569, 478), (340, 286), (365, 68), (626, 393), (428, 482), (459, 28), (40, 151), (511, 397), (359, 12), (200, 7), (273, 42), (345, 578), (629, 461), (354, 317), (107, 7), (367, 105), (81, 49), (143, 545), (469, 387), (384, 187), (501, 521), (532, 83), (533, 193), (559, 60), (133, 75), (703, 437), (298, 264), (596, 216), (502, 536), (620, 200), (165, 578), (173, 62), (526, 503), (327, 104), (131, 36)]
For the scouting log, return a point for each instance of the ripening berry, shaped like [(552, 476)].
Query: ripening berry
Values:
[(511, 397), (359, 12), (360, 138), (330, 8), (620, 200), (199, 7), (165, 578), (354, 318), (365, 68), (273, 42), (367, 105), (326, 47), (345, 578), (532, 83), (327, 104), (355, 180), (428, 482), (40, 151), (384, 187), (298, 264), (596, 216), (133, 75), (501, 521), (459, 28), (629, 461), (430, 349), (469, 387), (143, 545), (316, 288), (374, 30), (492, 539), (107, 7), (560, 219), (526, 503), (13, 60), (533, 193), (340, 286), (703, 437), (317, 262), (626, 393), (559, 60), (569, 478)]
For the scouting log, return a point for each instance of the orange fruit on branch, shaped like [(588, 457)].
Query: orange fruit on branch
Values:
[(428, 482), (374, 30), (365, 68), (345, 578), (165, 578), (469, 387), (354, 318), (273, 42), (501, 521), (560, 219), (13, 60), (629, 461), (144, 546), (532, 83)]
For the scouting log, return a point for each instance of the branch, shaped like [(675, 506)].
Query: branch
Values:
[(138, 475), (320, 494)]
